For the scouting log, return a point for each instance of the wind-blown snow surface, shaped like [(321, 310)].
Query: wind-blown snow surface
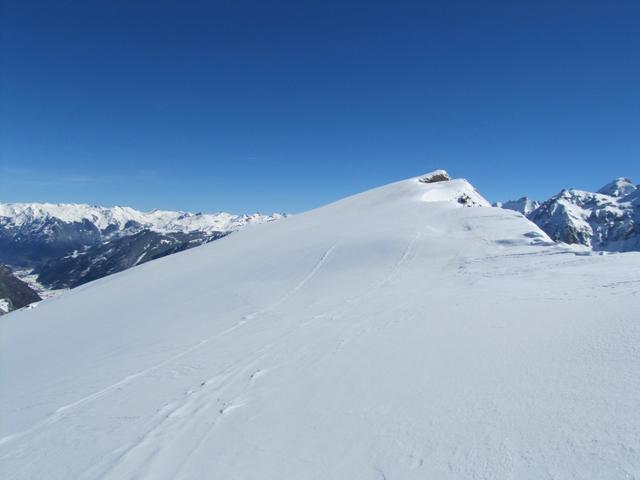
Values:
[(382, 336)]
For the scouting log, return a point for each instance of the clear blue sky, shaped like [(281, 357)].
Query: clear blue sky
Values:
[(283, 106)]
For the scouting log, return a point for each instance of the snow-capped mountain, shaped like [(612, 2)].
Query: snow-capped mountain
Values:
[(70, 244), (524, 205), (111, 221), (444, 342), (619, 187), (608, 220)]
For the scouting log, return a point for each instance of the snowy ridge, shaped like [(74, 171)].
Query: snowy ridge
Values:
[(13, 215), (444, 342)]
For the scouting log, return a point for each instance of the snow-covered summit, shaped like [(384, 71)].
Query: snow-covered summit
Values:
[(619, 187)]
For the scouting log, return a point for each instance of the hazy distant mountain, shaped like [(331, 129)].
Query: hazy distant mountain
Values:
[(523, 205), (70, 244)]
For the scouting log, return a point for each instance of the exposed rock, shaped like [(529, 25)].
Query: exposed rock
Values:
[(435, 176), (14, 293)]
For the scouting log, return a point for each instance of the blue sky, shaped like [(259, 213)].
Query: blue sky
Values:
[(284, 106)]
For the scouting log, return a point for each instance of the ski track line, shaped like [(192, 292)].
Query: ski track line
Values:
[(58, 414), (200, 400), (167, 419), (359, 327), (194, 402), (304, 281)]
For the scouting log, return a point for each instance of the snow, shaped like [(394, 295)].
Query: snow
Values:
[(618, 188), (18, 214), (5, 306), (524, 205), (452, 191), (392, 334)]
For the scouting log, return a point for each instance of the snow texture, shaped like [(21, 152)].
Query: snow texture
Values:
[(394, 334)]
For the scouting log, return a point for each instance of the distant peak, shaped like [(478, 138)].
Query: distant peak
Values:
[(524, 205), (618, 188), (435, 176)]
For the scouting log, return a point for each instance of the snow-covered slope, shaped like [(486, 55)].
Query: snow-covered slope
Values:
[(393, 334)]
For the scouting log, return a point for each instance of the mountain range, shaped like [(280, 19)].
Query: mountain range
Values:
[(606, 220), (66, 245), (410, 331)]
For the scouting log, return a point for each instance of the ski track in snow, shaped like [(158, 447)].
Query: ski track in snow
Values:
[(302, 283), (355, 329), (180, 421), (142, 456), (60, 412)]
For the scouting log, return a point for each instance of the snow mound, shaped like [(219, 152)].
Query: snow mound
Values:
[(381, 336)]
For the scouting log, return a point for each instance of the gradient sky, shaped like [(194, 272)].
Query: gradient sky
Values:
[(284, 106)]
